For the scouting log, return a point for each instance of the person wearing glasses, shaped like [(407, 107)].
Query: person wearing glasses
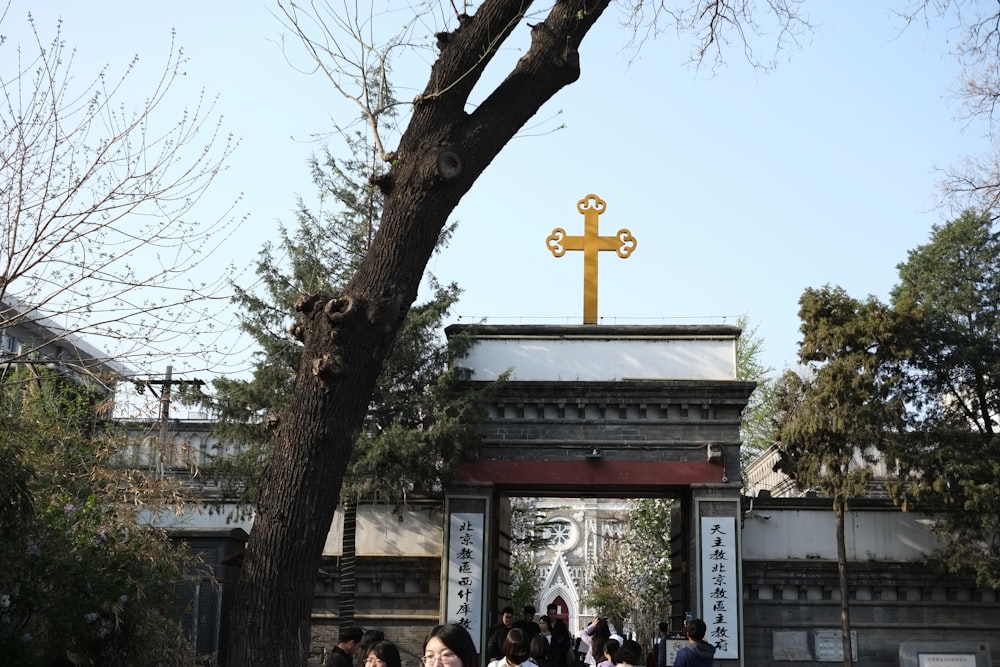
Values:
[(369, 639), (383, 654), (449, 645)]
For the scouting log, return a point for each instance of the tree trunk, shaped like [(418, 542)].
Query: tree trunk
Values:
[(839, 509), (347, 601), (346, 339)]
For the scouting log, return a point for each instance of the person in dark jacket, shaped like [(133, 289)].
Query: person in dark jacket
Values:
[(494, 646), (342, 654), (661, 644), (698, 652)]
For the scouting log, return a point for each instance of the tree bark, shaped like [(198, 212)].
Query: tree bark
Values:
[(346, 338), (839, 509)]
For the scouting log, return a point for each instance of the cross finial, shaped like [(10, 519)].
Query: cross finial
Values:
[(590, 243)]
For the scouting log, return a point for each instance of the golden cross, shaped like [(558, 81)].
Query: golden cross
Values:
[(590, 243)]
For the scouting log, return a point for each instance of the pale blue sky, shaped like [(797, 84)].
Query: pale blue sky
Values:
[(742, 187)]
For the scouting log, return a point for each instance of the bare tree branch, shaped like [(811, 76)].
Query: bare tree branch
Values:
[(100, 225)]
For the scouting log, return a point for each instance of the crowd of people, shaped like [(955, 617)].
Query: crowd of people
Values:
[(526, 642), (547, 642)]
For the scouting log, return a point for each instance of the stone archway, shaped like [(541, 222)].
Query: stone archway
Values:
[(607, 411)]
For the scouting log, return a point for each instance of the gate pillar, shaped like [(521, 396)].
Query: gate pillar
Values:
[(468, 543), (714, 575)]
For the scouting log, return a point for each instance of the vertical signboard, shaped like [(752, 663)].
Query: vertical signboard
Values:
[(466, 546), (719, 586)]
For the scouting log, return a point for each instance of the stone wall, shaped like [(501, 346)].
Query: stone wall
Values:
[(786, 602), (399, 596), (791, 590)]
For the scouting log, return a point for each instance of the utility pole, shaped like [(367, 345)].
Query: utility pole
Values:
[(165, 404), (166, 383)]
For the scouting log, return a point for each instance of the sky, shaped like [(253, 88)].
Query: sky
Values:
[(742, 187)]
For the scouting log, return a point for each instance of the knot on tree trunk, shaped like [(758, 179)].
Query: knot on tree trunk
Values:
[(337, 308), (384, 180), (305, 303), (449, 165), (326, 367)]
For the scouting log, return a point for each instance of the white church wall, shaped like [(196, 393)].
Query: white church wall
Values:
[(412, 532), (809, 534), (587, 359), (381, 530)]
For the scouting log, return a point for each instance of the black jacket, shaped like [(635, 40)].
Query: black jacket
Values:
[(339, 658)]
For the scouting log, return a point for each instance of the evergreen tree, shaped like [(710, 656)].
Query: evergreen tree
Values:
[(834, 422), (949, 290), (756, 431)]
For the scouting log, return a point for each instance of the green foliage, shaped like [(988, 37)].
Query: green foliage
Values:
[(632, 580), (525, 582), (607, 594), (80, 575), (916, 386), (417, 428), (756, 431), (949, 290), (834, 420), (86, 580)]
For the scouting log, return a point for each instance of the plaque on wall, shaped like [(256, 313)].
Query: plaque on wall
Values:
[(790, 645), (829, 645), (945, 660), (945, 654)]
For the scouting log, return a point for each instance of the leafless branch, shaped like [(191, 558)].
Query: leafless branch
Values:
[(99, 226), (712, 22)]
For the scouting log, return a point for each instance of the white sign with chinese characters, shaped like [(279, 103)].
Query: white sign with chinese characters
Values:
[(719, 588), (945, 660), (465, 572)]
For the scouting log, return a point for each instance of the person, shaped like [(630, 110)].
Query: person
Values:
[(342, 654), (494, 645), (368, 639), (516, 650), (545, 627), (595, 636), (539, 653), (610, 651), (561, 643), (629, 655), (698, 652), (527, 622), (382, 653), (449, 645), (661, 644)]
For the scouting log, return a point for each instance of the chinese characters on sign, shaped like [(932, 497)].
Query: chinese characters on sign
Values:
[(465, 572), (720, 594), (946, 660)]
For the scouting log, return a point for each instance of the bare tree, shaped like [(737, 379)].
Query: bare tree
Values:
[(975, 27), (99, 232), (447, 141)]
